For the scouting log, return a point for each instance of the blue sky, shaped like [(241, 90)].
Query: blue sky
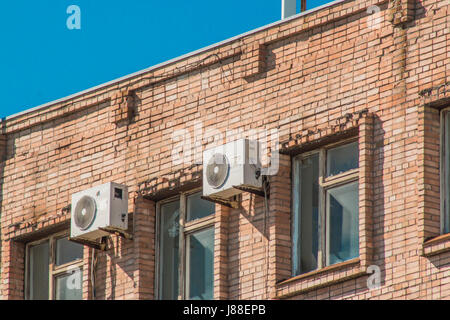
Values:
[(42, 60)]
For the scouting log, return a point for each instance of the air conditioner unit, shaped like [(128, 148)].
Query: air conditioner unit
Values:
[(233, 164), (104, 206)]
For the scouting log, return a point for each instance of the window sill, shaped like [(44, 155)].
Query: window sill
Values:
[(320, 278), (436, 245)]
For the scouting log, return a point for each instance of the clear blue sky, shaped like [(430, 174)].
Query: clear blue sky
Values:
[(42, 60)]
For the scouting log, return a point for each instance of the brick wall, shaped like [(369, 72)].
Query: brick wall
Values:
[(313, 78)]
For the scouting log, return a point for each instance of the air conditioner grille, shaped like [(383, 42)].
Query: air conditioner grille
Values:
[(84, 212), (217, 170)]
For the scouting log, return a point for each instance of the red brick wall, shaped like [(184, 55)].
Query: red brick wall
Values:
[(310, 78)]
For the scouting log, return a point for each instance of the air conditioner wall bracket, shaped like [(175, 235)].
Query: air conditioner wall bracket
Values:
[(257, 191), (99, 245), (118, 232), (231, 203)]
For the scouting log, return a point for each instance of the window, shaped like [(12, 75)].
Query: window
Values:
[(54, 269), (325, 207), (186, 248), (445, 171)]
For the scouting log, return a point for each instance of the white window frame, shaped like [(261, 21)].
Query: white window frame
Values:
[(186, 229), (54, 270), (325, 183)]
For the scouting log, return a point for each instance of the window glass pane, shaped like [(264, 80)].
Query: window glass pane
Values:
[(69, 286), (342, 159), (39, 273), (446, 217), (201, 264), (169, 250), (67, 251), (342, 223), (198, 208), (306, 208)]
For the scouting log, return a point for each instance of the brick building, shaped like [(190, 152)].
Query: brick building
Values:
[(357, 92)]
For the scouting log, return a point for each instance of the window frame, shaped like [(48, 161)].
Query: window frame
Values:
[(325, 183), (54, 270), (186, 228), (442, 171)]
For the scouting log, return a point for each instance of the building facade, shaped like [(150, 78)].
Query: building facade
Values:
[(351, 98)]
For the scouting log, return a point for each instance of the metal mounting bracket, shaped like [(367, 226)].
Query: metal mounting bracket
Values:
[(99, 245), (118, 232), (257, 191), (234, 204)]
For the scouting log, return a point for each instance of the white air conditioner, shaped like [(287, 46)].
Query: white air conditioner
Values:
[(104, 206), (233, 164)]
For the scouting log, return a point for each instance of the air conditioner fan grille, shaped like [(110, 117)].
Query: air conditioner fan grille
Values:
[(85, 210), (217, 170)]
